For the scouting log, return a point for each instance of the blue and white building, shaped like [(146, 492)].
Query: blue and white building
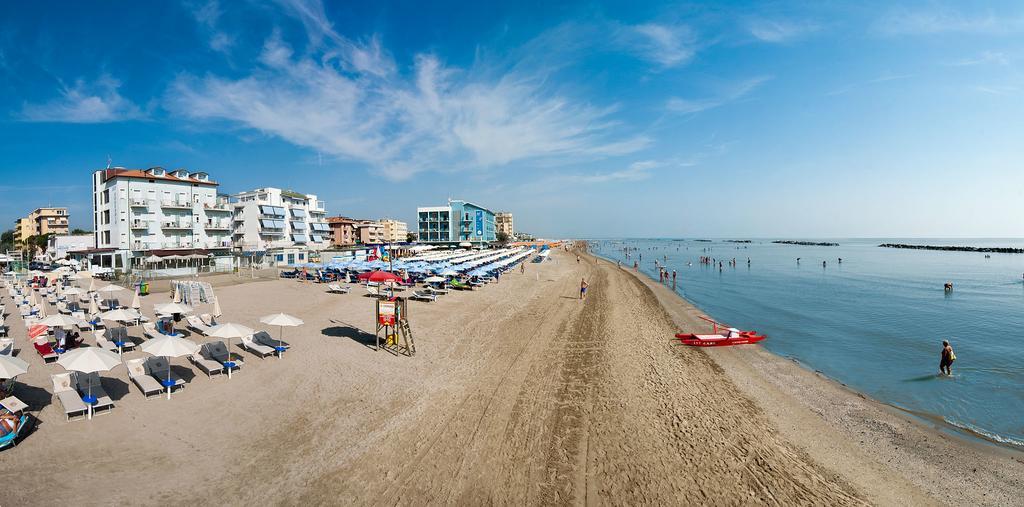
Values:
[(458, 222)]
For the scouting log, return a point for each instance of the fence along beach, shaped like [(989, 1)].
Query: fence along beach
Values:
[(519, 393)]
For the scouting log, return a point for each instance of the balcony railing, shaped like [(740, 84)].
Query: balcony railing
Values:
[(138, 203), (175, 204), (218, 226), (174, 224), (140, 224)]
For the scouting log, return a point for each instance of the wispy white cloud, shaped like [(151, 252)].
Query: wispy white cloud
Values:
[(207, 15), (95, 101), (985, 58), (998, 89), (778, 31), (349, 101), (842, 90), (937, 20), (731, 94), (665, 45)]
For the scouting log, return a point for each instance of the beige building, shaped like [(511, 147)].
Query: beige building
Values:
[(343, 231), (369, 232), (41, 221), (394, 231), (503, 223)]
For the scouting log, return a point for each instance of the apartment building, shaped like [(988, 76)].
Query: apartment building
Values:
[(272, 218), (369, 232), (458, 222), (343, 231), (394, 231), (141, 212), (41, 221), (503, 223)]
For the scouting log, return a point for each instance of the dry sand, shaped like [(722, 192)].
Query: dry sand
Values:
[(519, 394)]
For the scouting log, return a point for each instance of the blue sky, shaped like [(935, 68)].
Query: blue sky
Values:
[(759, 119)]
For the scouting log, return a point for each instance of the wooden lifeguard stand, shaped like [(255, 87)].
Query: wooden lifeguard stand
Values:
[(393, 332)]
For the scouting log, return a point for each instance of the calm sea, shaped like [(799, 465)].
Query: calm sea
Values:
[(877, 320)]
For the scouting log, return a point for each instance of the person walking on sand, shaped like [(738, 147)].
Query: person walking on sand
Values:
[(577, 259), (522, 268), (946, 362), (583, 288)]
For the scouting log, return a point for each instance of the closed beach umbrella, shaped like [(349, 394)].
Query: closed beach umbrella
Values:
[(216, 307), (93, 307), (169, 346), (177, 296), (72, 291), (89, 360), (11, 366), (281, 320), (92, 285), (136, 303), (229, 331)]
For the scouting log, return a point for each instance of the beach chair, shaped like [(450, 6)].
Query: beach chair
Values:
[(6, 346), (62, 308), (147, 384), (106, 337), (423, 296), (373, 290), (264, 338), (11, 439), (208, 319), (89, 383), (44, 350), (110, 304), (258, 349), (337, 289), (435, 291), (64, 391), (219, 352), (206, 363), (197, 325), (157, 367), (149, 329), (460, 286)]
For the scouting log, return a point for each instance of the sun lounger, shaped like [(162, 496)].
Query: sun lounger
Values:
[(423, 296), (337, 289), (6, 346), (89, 384), (64, 391), (106, 338), (147, 384), (110, 304), (260, 350), (264, 338), (435, 291), (208, 319), (45, 351), (149, 329), (157, 367), (11, 439), (197, 325), (460, 286), (205, 363)]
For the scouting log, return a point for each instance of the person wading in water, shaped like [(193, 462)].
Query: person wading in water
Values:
[(946, 362)]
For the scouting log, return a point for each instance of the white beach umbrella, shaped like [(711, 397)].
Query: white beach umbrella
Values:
[(153, 259), (136, 303), (433, 279), (92, 284), (72, 291), (93, 307), (169, 346), (449, 272), (110, 289), (172, 308), (229, 331), (64, 321), (216, 307), (11, 366), (177, 296), (121, 315), (281, 320), (89, 360)]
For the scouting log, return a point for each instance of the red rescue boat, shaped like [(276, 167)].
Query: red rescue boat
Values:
[(721, 335)]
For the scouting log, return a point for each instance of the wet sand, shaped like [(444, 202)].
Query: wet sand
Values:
[(519, 394)]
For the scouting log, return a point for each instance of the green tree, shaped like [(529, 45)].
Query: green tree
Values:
[(80, 232), (410, 237), (502, 237), (7, 241)]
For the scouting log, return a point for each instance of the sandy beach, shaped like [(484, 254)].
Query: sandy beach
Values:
[(519, 393)]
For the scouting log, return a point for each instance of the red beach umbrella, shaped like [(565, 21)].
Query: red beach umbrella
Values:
[(383, 277)]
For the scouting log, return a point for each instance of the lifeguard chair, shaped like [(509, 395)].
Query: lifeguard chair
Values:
[(393, 332)]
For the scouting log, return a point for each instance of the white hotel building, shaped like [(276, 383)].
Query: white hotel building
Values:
[(274, 219), (143, 212)]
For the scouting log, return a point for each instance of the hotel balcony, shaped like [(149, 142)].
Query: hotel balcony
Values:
[(140, 224), (175, 205), (175, 225), (138, 203), (219, 207), (218, 226)]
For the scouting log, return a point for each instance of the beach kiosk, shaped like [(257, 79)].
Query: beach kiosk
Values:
[(393, 332)]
